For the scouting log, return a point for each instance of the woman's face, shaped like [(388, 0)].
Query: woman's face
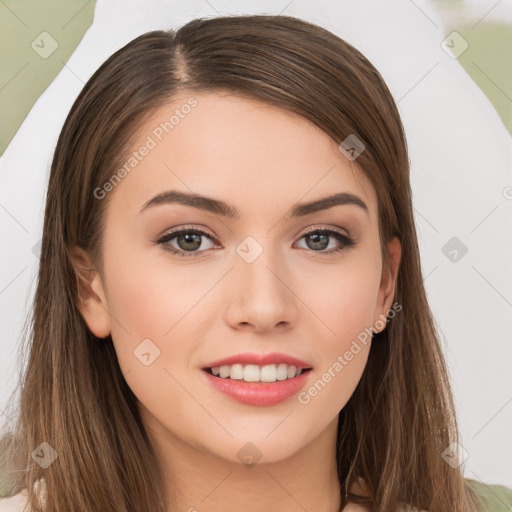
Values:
[(254, 283)]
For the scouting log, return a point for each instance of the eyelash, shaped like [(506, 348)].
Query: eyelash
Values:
[(348, 242)]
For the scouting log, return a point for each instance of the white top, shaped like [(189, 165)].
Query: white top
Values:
[(16, 503), (19, 502)]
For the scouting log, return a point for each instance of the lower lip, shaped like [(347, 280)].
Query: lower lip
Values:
[(258, 393)]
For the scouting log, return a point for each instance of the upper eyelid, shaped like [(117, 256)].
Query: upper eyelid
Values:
[(177, 231), (346, 239), (203, 232)]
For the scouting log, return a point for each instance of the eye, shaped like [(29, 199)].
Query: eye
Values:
[(318, 240), (188, 240)]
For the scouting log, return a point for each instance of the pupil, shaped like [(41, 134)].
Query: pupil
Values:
[(190, 238), (315, 237)]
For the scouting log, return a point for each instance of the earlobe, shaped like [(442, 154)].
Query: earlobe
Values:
[(389, 278), (90, 300)]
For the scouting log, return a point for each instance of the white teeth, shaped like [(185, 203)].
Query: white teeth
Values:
[(282, 372), (251, 373), (268, 373), (236, 372), (291, 372), (255, 373)]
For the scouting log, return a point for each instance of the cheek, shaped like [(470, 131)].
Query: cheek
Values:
[(150, 298), (344, 302), (153, 329), (342, 297), (147, 302)]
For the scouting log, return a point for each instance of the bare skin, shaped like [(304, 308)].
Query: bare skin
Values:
[(295, 297)]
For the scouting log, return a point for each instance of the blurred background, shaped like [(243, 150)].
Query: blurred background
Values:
[(24, 75)]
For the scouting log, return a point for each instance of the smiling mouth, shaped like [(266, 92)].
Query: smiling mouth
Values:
[(254, 373)]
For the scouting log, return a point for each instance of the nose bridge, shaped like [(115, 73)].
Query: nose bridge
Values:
[(262, 294), (259, 264)]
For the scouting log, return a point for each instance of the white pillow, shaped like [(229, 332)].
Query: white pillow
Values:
[(461, 161)]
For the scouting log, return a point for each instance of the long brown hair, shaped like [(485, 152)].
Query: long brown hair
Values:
[(400, 419)]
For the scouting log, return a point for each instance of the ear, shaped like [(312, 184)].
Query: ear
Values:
[(91, 300), (388, 281)]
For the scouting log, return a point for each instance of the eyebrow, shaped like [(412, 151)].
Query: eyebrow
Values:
[(218, 207)]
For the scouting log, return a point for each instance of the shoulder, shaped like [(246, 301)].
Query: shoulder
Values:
[(16, 503), (19, 502), (494, 497)]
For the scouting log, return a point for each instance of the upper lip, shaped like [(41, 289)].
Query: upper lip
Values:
[(260, 360)]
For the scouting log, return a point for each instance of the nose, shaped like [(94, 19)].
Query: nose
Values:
[(261, 296)]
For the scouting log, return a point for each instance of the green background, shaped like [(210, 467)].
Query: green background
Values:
[(24, 75)]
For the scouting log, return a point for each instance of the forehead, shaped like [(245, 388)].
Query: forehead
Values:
[(236, 149)]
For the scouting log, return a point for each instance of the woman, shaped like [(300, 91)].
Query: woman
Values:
[(292, 363)]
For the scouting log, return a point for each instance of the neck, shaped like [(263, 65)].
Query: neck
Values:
[(200, 480)]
